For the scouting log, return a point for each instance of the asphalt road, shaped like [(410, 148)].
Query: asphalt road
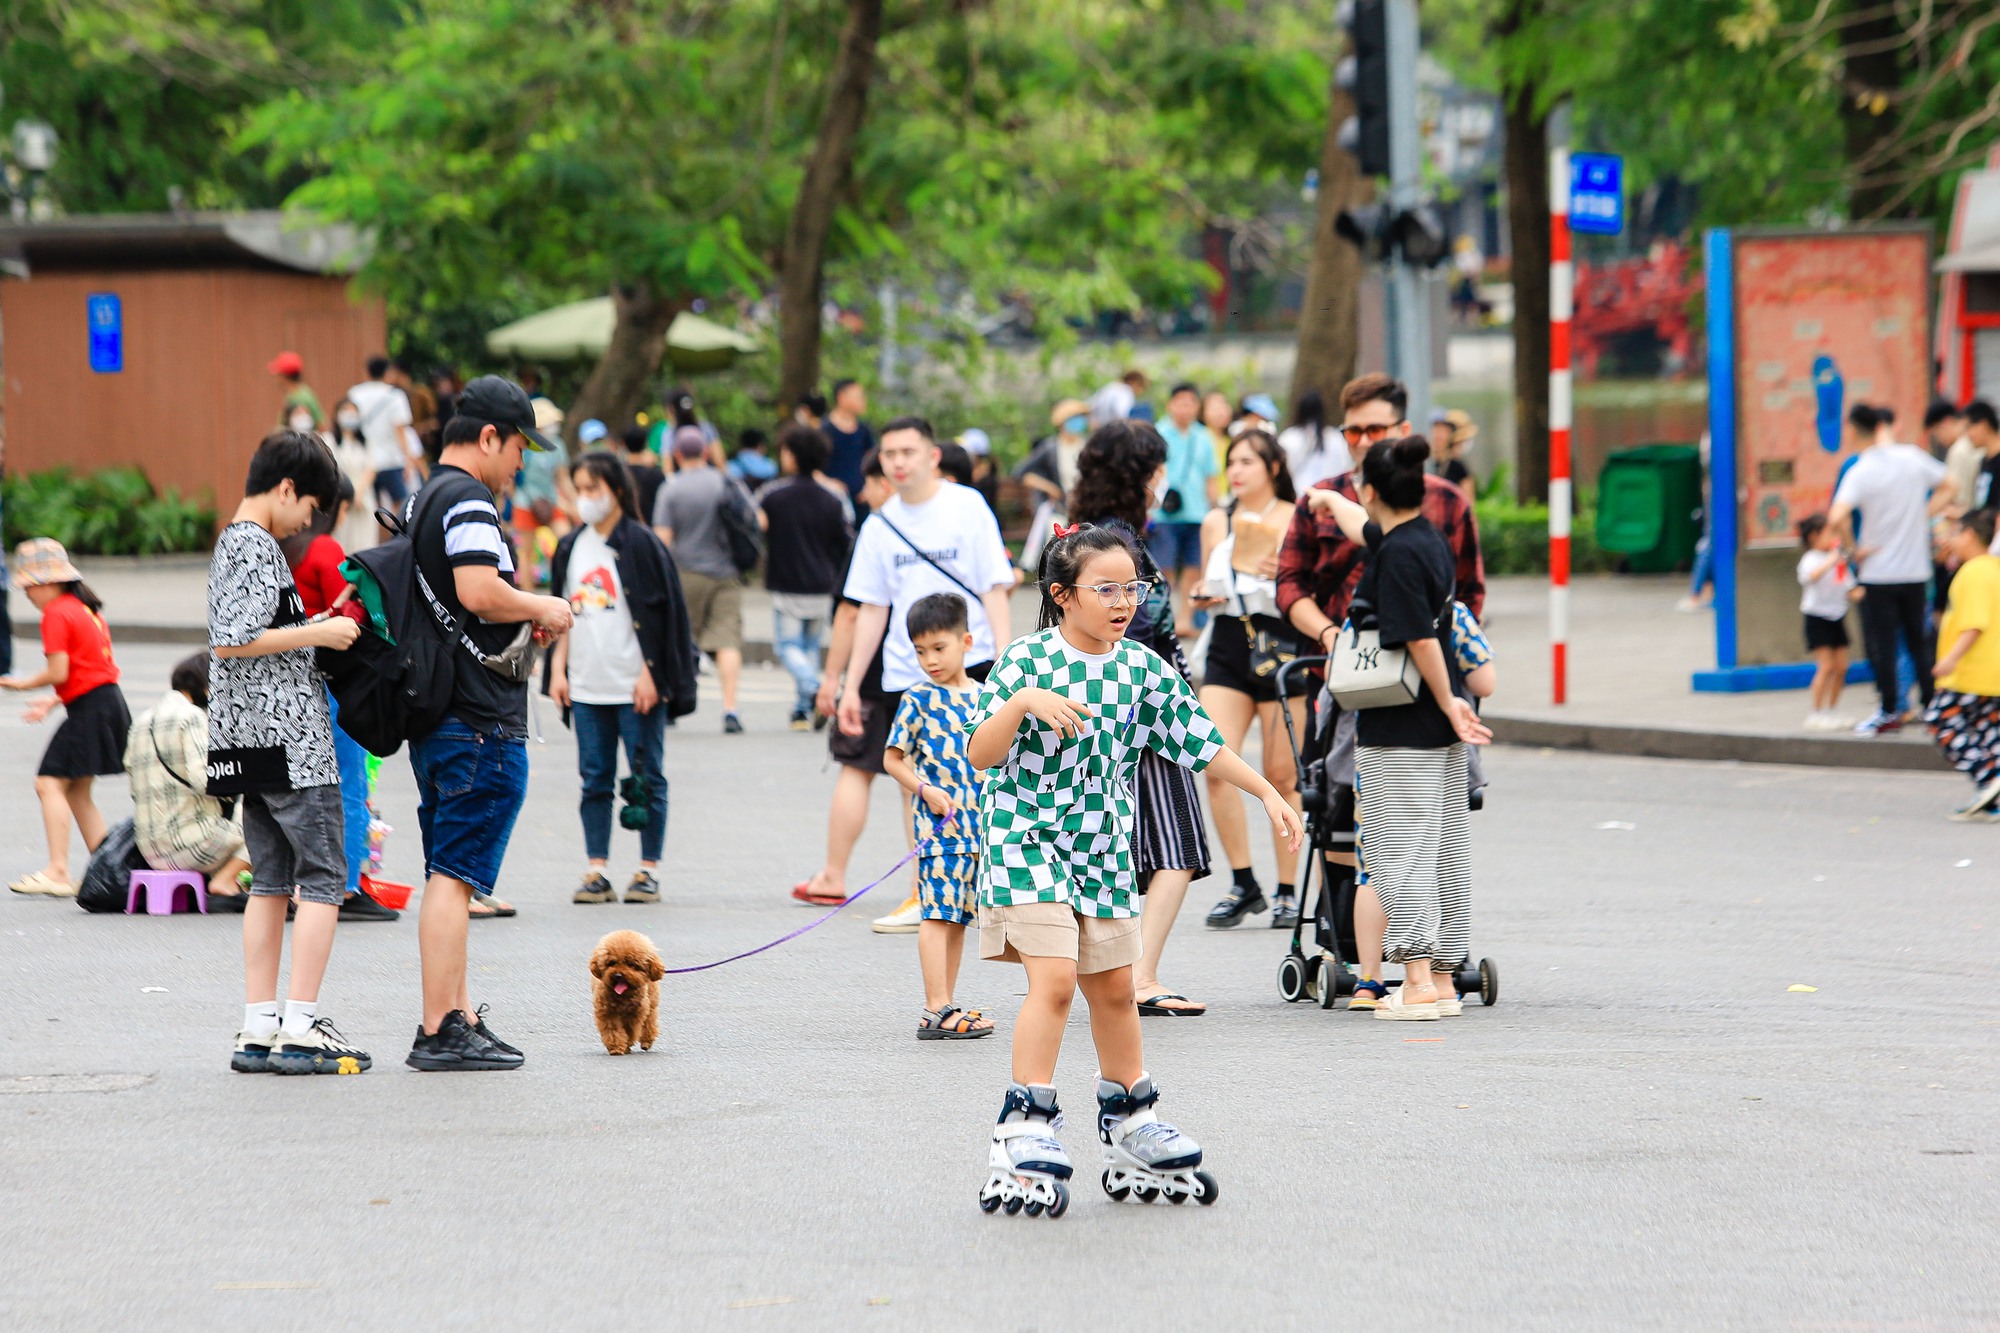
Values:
[(1653, 1129)]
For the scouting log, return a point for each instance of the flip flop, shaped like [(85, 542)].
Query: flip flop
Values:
[(494, 907), (803, 892), (1152, 1006), (42, 884)]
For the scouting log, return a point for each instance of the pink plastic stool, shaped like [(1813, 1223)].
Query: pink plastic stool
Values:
[(163, 891)]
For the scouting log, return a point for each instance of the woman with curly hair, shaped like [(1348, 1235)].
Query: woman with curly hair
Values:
[(1120, 475)]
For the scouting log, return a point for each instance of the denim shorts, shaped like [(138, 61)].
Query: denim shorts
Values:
[(1175, 545), (470, 786), (293, 839)]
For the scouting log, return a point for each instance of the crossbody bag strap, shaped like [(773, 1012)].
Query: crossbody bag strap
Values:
[(153, 732), (926, 557), (438, 608)]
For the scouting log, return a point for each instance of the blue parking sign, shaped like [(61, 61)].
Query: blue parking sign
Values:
[(1597, 193), (107, 332)]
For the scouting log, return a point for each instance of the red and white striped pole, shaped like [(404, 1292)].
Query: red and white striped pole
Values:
[(1562, 289)]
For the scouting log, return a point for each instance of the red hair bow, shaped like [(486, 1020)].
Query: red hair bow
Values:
[(1058, 531)]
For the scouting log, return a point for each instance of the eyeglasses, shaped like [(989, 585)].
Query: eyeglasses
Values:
[(1111, 594), (1354, 434)]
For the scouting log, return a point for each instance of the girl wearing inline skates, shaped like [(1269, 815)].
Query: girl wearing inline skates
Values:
[(1060, 724)]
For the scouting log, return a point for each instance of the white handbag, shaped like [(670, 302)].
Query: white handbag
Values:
[(1364, 674)]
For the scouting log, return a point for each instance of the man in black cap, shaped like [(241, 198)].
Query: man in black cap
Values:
[(472, 771)]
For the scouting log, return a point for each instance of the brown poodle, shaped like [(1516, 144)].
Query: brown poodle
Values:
[(626, 992)]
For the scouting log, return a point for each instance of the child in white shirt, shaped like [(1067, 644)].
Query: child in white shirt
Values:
[(1828, 587)]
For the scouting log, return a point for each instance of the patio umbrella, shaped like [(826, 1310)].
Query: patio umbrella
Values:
[(582, 329)]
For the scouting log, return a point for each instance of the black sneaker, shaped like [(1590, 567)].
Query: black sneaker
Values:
[(596, 889), (359, 906), (479, 1026), (732, 725), (457, 1045), (1240, 903), (800, 721), (1284, 912), (643, 888)]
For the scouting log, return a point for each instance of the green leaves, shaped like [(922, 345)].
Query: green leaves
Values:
[(113, 512)]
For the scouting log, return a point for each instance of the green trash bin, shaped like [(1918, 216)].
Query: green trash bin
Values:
[(1649, 507)]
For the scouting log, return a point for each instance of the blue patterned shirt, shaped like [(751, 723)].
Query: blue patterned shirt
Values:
[(932, 728)]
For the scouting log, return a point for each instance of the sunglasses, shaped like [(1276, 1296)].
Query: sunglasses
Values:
[(1355, 434), (1111, 594)]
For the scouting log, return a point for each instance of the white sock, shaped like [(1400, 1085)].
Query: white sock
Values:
[(299, 1016), (261, 1019)]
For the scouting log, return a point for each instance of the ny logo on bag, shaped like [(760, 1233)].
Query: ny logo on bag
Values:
[(1367, 659)]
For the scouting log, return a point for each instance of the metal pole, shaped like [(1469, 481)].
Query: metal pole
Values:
[(1562, 301), (1408, 311)]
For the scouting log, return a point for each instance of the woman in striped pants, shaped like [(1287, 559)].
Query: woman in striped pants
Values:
[(1409, 759)]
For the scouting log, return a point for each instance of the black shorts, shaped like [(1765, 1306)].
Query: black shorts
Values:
[(1228, 664), (864, 752), (1824, 633), (90, 742)]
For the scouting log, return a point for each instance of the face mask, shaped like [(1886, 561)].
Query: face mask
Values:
[(1076, 425), (593, 509), (302, 420), (1156, 492), (349, 420)]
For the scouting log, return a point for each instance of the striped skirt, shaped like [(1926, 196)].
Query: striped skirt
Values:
[(1415, 849), (1170, 833)]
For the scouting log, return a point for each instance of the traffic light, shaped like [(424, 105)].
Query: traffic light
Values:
[(1364, 75), (1366, 227)]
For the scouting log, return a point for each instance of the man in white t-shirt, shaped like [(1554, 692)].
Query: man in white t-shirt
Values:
[(1897, 488), (388, 427), (932, 536)]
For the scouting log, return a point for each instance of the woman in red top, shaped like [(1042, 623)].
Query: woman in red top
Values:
[(91, 740)]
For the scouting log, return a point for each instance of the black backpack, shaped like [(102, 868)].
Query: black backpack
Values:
[(739, 525), (398, 687)]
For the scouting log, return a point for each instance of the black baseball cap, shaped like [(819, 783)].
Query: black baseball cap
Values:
[(497, 399)]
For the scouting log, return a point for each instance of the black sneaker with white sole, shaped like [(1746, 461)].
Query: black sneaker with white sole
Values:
[(479, 1026), (596, 889), (457, 1045)]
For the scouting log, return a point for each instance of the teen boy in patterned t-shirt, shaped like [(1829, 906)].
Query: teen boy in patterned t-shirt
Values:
[(1059, 726)]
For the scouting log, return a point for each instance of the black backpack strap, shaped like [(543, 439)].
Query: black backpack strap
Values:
[(447, 622)]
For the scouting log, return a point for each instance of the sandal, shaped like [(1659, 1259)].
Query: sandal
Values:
[(803, 891), (952, 1023), (43, 885), (494, 907), (1155, 1006), (1367, 994)]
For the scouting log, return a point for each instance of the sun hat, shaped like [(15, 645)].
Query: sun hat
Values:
[(1261, 404), (288, 363), (42, 560), (1463, 428), (975, 442), (591, 431), (1067, 408)]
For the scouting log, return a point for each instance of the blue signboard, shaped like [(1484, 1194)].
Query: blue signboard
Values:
[(107, 333), (1597, 193)]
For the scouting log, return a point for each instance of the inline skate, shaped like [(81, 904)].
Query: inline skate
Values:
[(1144, 1156), (1029, 1167)]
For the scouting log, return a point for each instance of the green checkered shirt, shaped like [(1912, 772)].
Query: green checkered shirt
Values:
[(1057, 815)]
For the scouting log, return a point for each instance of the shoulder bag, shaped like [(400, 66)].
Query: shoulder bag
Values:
[(1364, 674)]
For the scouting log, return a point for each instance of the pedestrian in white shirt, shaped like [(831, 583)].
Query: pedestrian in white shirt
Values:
[(1314, 450), (386, 424)]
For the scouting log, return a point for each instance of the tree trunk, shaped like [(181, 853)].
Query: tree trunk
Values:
[(804, 258), (1865, 124), (616, 389), (1329, 320), (1527, 166)]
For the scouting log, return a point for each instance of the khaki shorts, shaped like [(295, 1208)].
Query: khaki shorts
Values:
[(1054, 930), (715, 611)]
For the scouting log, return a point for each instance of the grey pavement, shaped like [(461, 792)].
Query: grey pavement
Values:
[(1653, 1128)]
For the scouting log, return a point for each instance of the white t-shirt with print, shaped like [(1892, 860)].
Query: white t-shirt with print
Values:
[(604, 654), (1891, 486), (385, 410), (1826, 595), (956, 529)]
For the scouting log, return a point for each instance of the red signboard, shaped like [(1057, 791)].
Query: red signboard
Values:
[(1823, 320)]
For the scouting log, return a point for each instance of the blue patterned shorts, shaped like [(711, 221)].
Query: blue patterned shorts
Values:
[(948, 887)]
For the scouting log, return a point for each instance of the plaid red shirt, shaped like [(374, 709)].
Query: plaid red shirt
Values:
[(1317, 562)]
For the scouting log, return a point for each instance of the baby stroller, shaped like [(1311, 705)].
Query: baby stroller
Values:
[(1327, 974)]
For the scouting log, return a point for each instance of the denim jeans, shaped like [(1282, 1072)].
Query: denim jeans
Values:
[(798, 643), (470, 785), (599, 728), (353, 761)]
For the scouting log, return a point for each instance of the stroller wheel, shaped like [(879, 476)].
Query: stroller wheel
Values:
[(1330, 974), (1489, 982), (1292, 978)]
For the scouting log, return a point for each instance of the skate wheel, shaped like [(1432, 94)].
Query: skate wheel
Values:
[(1118, 1194), (1034, 1208), (1176, 1196), (1061, 1205), (1145, 1193), (1210, 1191), (989, 1204), (1489, 982), (1013, 1205), (1292, 978)]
